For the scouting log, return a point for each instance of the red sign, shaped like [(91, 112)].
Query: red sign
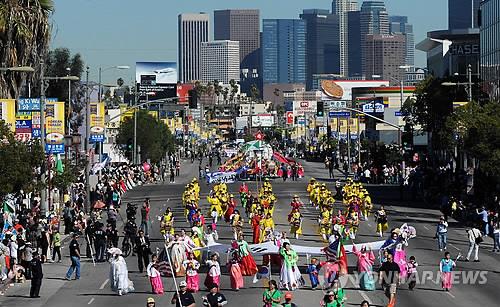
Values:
[(289, 117), (259, 136), (183, 92), (304, 104)]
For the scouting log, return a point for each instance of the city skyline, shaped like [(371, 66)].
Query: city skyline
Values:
[(157, 29)]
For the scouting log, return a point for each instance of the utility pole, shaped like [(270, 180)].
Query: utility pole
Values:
[(87, 144), (469, 82), (43, 193)]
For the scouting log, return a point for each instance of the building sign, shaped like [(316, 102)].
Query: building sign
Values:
[(300, 108), (336, 90), (464, 49), (263, 120), (23, 126), (373, 108), (339, 114), (289, 118)]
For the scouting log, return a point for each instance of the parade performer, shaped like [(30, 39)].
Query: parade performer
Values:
[(119, 275), (248, 265), (290, 277), (295, 220), (178, 254), (411, 268), (231, 206), (213, 274), (296, 203), (167, 224), (266, 224), (235, 272), (313, 271), (400, 259), (325, 224), (236, 223), (198, 242), (365, 262), (191, 267), (310, 190), (154, 275), (446, 266), (381, 217), (256, 227)]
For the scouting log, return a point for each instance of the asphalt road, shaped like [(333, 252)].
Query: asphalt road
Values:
[(93, 288)]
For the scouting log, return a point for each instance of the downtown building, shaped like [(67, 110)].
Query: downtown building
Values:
[(490, 48), (283, 51), (373, 20), (242, 25), (451, 51), (383, 56), (322, 43), (400, 25), (341, 8), (193, 29), (220, 60), (463, 14)]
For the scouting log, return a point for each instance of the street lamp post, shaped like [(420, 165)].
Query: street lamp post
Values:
[(43, 85)]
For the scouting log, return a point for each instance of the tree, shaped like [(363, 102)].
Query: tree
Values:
[(225, 93), (58, 60), (24, 41), (19, 162), (254, 92), (153, 137), (234, 89), (217, 89)]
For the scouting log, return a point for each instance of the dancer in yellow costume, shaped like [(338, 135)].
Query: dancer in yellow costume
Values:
[(167, 224), (295, 219)]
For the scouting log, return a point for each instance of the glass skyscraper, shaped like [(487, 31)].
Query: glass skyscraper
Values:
[(400, 25), (284, 51), (463, 14), (490, 47)]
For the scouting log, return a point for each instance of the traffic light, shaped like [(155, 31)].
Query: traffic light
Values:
[(193, 99), (320, 109)]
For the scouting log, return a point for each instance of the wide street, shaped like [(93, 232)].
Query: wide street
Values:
[(93, 287)]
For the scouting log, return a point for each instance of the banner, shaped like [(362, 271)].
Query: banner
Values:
[(343, 128), (97, 115), (221, 177), (8, 113), (353, 126), (23, 126), (54, 128)]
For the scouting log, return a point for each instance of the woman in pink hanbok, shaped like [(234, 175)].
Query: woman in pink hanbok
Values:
[(400, 259), (366, 259), (235, 271)]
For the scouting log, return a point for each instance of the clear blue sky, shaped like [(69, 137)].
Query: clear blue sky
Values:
[(122, 32)]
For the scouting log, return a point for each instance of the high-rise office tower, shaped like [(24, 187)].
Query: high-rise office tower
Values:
[(242, 26), (283, 51), (341, 8), (220, 60), (354, 59), (374, 19), (400, 25), (322, 43), (193, 29), (463, 14), (384, 54)]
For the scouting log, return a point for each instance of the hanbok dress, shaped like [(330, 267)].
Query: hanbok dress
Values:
[(235, 274), (248, 265), (155, 278), (446, 267), (191, 266), (290, 277), (365, 268), (119, 276)]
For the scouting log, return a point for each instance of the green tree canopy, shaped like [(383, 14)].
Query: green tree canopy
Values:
[(153, 137), (19, 162)]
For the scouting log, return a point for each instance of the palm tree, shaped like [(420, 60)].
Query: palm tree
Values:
[(217, 89), (24, 40), (234, 89)]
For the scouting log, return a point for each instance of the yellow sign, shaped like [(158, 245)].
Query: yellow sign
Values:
[(334, 124), (8, 113), (97, 114), (343, 126), (54, 127), (353, 125), (124, 114)]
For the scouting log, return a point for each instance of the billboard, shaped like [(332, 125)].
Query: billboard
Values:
[(8, 113), (300, 108), (183, 92), (156, 79), (54, 128), (241, 122), (97, 115), (263, 120), (336, 90)]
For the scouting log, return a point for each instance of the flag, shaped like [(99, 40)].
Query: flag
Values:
[(163, 266), (263, 273), (8, 206), (342, 260), (59, 165), (281, 159)]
